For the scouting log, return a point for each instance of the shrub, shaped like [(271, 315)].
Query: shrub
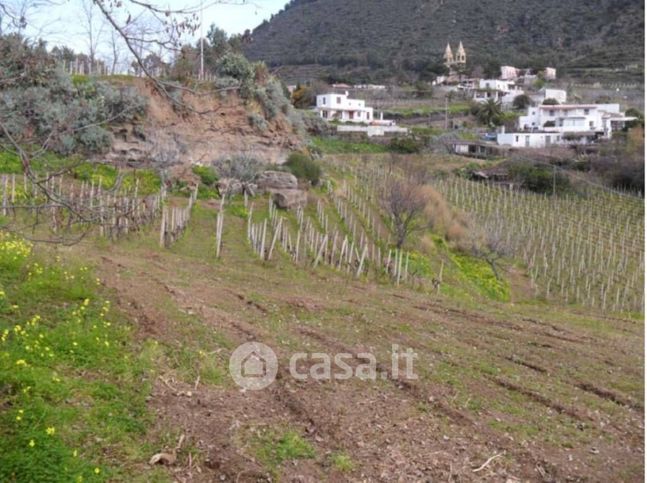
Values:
[(549, 101), (272, 98), (304, 167), (640, 118), (257, 121), (237, 67), (304, 97), (207, 175), (45, 106), (521, 102), (540, 179), (404, 145), (241, 166)]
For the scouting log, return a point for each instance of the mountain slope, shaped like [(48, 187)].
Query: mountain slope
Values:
[(379, 35)]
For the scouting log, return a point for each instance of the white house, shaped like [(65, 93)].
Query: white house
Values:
[(503, 91), (339, 107), (559, 95), (527, 76), (509, 73), (543, 125), (550, 73)]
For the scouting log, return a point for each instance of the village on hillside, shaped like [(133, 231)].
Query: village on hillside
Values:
[(541, 115)]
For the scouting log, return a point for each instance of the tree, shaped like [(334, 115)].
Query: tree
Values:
[(521, 102), (405, 201), (490, 113), (303, 97), (549, 101), (93, 27), (218, 41), (640, 118)]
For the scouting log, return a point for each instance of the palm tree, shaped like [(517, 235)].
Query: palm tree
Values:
[(490, 113)]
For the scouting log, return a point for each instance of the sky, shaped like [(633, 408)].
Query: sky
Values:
[(61, 23), (236, 18)]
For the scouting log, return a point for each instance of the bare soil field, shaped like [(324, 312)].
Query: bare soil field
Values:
[(505, 391)]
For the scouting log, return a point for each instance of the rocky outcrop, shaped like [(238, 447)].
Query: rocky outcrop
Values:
[(290, 198), (230, 187), (233, 187), (276, 180), (218, 127)]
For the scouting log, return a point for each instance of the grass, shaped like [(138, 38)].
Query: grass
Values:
[(480, 274), (342, 462), (274, 447), (457, 108), (147, 180), (74, 383), (10, 162), (102, 174), (339, 146)]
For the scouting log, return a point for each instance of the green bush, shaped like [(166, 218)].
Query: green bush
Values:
[(236, 66), (304, 167), (207, 175), (521, 102), (405, 145), (241, 166), (540, 179), (44, 105)]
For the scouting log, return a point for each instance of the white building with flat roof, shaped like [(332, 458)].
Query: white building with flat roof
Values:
[(544, 125), (338, 107), (559, 95), (503, 91)]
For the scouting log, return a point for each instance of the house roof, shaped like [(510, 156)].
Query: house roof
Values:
[(344, 108), (569, 106)]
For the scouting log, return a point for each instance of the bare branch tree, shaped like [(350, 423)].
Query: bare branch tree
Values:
[(93, 28), (405, 201)]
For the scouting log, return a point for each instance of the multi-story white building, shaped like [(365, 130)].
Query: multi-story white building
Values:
[(503, 91), (546, 125), (339, 107)]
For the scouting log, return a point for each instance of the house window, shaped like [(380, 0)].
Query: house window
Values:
[(551, 113), (323, 101), (586, 112), (516, 139), (591, 124), (339, 100)]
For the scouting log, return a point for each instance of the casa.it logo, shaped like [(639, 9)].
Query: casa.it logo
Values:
[(253, 366)]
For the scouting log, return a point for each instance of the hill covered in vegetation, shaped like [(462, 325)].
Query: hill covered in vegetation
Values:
[(373, 39)]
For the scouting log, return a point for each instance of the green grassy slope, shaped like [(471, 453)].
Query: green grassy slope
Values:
[(500, 372)]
